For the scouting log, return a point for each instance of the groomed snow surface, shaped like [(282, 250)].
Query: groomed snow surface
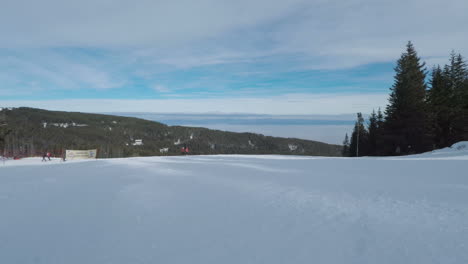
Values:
[(236, 209)]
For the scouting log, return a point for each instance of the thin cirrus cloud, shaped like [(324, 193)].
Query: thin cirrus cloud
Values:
[(53, 70), (252, 47), (161, 88)]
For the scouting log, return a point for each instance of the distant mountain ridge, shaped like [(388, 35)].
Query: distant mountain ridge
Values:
[(236, 119), (33, 131)]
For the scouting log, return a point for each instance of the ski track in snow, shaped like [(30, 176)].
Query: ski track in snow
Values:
[(236, 209)]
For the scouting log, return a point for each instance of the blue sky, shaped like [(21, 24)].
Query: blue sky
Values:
[(304, 57), (121, 79)]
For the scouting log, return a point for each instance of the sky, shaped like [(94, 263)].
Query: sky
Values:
[(247, 56)]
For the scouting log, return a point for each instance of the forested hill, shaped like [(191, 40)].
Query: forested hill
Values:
[(32, 131)]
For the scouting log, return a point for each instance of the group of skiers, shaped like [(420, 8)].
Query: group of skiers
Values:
[(46, 156)]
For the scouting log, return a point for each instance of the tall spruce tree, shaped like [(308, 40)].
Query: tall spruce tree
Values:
[(406, 123), (440, 99), (379, 134), (463, 123), (458, 79), (3, 131), (346, 143), (359, 139), (373, 129), (380, 118)]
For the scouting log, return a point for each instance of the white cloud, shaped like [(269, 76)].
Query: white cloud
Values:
[(129, 23), (142, 39), (47, 70), (161, 88), (185, 33), (293, 104)]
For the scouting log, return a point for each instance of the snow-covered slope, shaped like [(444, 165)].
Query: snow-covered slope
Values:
[(236, 209)]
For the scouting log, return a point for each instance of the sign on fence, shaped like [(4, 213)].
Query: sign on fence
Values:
[(80, 154)]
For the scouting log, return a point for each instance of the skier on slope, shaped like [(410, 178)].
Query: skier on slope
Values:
[(184, 150)]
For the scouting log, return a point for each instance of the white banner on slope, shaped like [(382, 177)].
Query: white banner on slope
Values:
[(80, 154)]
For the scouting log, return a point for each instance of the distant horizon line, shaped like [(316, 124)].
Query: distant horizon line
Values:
[(214, 113)]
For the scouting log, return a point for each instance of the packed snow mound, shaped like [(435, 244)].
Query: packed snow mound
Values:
[(235, 209), (461, 146), (458, 150)]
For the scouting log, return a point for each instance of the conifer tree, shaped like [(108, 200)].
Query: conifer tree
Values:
[(380, 118), (346, 146), (373, 134), (457, 73), (406, 123), (463, 124), (458, 79), (380, 139), (359, 139), (3, 131), (440, 99)]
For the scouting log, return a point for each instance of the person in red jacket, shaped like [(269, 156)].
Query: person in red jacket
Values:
[(184, 150), (49, 155)]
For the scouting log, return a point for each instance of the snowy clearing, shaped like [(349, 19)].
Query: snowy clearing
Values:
[(236, 209)]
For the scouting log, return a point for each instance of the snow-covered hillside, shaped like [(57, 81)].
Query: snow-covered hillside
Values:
[(236, 209)]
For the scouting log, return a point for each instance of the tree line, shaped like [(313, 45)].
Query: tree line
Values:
[(31, 132), (4, 130), (425, 111)]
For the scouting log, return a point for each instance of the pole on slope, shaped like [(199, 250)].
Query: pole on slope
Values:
[(357, 142)]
